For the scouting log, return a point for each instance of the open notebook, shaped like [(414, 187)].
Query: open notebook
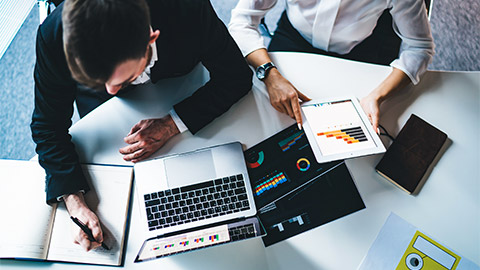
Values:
[(31, 229)]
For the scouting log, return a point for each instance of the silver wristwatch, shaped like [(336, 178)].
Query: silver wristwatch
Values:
[(262, 70)]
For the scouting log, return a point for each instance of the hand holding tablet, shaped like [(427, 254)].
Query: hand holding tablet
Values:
[(338, 128)]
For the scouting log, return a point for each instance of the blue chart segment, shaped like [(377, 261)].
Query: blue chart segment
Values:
[(255, 160), (286, 143), (270, 181), (296, 221)]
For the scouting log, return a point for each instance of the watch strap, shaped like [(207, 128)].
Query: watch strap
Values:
[(265, 67)]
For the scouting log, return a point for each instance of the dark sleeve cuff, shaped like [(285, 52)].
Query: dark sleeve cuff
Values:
[(65, 183)]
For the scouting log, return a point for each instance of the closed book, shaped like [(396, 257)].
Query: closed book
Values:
[(411, 155)]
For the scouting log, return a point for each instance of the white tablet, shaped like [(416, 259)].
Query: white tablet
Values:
[(338, 128)]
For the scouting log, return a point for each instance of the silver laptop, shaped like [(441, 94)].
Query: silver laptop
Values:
[(191, 192)]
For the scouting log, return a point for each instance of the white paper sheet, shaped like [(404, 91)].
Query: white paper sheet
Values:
[(108, 198), (394, 239), (26, 217)]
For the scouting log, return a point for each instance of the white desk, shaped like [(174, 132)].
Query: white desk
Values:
[(447, 207)]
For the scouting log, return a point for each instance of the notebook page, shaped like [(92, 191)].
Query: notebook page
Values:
[(26, 217), (108, 198)]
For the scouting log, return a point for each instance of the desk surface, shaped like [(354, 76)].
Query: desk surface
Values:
[(447, 208)]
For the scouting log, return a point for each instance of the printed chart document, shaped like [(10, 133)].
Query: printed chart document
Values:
[(293, 192), (35, 230), (401, 246)]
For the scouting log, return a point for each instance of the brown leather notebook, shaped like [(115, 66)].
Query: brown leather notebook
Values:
[(411, 154)]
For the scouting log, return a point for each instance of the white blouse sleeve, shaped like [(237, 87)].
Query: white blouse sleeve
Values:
[(410, 22), (243, 26)]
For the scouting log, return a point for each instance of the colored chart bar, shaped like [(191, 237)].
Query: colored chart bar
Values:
[(271, 182), (213, 237), (284, 224), (286, 143), (198, 240), (349, 135)]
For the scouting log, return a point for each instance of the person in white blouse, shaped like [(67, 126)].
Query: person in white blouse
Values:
[(341, 28)]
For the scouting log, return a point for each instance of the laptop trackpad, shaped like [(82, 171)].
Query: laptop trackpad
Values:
[(190, 168)]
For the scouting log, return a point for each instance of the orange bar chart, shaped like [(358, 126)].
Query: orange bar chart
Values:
[(348, 135)]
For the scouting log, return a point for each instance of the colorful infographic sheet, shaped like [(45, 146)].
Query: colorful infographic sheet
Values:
[(281, 164), (292, 191)]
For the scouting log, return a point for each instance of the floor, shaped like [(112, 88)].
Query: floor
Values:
[(455, 27), (16, 92)]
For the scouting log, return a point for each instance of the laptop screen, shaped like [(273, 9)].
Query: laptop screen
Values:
[(203, 237)]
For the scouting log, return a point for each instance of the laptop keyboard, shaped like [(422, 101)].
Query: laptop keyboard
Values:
[(242, 232), (200, 201)]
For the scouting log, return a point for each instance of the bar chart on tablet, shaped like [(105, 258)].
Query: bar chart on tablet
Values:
[(337, 127)]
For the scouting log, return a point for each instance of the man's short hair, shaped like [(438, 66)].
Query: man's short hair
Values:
[(98, 35)]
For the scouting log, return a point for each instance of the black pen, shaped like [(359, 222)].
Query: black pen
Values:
[(87, 231)]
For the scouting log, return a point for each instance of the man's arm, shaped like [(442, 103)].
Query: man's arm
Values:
[(54, 96), (230, 79), (230, 76)]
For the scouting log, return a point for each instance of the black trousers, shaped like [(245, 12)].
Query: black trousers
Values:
[(381, 47)]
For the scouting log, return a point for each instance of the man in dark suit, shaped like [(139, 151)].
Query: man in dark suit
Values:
[(89, 50)]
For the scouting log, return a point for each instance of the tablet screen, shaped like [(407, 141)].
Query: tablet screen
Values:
[(337, 127)]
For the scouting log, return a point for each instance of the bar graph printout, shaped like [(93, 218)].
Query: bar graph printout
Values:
[(337, 127)]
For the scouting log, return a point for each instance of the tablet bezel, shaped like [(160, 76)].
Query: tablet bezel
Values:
[(380, 148)]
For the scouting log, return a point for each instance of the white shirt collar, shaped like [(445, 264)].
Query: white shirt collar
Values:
[(145, 76)]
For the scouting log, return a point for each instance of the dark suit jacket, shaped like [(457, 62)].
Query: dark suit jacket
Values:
[(190, 33)]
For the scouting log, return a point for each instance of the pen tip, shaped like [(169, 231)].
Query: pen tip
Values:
[(299, 126)]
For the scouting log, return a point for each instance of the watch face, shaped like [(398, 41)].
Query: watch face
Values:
[(261, 73)]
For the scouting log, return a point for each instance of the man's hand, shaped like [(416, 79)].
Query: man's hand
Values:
[(147, 136), (77, 207), (284, 97)]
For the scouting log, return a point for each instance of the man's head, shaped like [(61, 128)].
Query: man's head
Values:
[(106, 41)]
